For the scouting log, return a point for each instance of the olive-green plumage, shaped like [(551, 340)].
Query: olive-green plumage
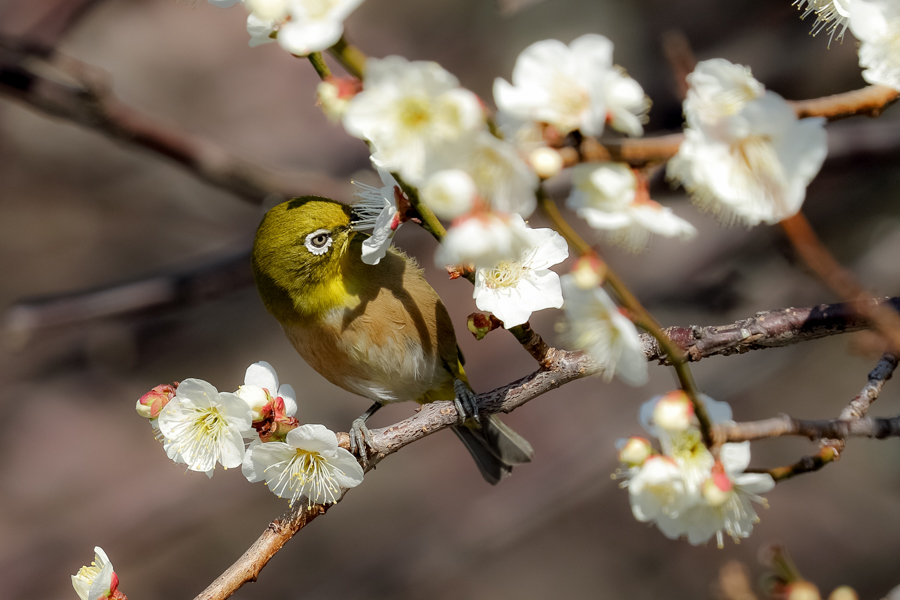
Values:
[(379, 331)]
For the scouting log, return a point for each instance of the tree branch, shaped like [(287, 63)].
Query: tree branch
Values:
[(783, 425), (80, 94)]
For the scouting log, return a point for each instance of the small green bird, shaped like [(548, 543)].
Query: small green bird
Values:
[(379, 331)]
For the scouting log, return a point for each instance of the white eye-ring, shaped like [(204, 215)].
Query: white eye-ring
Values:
[(318, 242)]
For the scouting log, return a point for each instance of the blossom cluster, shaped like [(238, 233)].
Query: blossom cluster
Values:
[(253, 428), (875, 23), (683, 489)]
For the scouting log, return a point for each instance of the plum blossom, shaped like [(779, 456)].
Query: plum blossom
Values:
[(692, 494), (600, 329), (745, 157), (483, 240), (450, 193), (202, 427), (573, 87), (410, 110), (513, 289), (877, 25), (308, 464), (261, 390), (300, 26), (97, 580), (612, 200), (376, 209)]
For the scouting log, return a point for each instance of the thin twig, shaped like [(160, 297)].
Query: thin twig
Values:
[(785, 425), (677, 50)]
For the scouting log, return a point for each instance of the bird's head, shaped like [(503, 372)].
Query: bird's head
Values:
[(298, 254)]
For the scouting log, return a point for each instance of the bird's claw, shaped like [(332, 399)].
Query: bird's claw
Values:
[(465, 401), (361, 439)]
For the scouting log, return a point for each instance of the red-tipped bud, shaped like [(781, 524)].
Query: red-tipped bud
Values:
[(149, 405), (482, 323), (674, 411), (589, 272), (635, 451), (718, 488)]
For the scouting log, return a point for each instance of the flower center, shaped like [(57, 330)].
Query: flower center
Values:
[(761, 167), (570, 98), (506, 274), (308, 474), (415, 112), (88, 574)]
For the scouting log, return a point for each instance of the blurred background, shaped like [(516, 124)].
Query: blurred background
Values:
[(80, 212)]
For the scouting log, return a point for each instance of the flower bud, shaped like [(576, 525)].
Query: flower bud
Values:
[(589, 272), (450, 193), (482, 323), (845, 592), (258, 398), (149, 405), (335, 94), (546, 162), (267, 10), (802, 590), (634, 451), (718, 488), (674, 411)]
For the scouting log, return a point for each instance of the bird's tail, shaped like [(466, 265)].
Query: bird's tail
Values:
[(494, 446)]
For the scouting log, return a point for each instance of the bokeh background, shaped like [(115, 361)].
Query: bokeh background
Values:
[(79, 468)]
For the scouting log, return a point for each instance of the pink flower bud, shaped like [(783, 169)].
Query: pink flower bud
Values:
[(149, 405), (718, 488), (635, 451), (674, 411), (589, 272), (482, 323)]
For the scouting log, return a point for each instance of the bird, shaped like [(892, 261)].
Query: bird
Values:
[(379, 331)]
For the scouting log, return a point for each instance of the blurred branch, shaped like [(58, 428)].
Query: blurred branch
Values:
[(171, 290), (677, 50), (80, 94), (783, 425), (870, 101), (839, 280), (43, 24)]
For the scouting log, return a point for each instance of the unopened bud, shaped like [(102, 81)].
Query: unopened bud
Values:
[(589, 272), (482, 323), (149, 405), (335, 94), (802, 590), (635, 451), (450, 193), (845, 592), (546, 162), (258, 398), (718, 488), (674, 411)]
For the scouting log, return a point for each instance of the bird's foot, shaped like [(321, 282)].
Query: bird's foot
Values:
[(465, 401), (361, 439)]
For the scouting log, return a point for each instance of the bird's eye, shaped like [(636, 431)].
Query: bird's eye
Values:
[(318, 242)]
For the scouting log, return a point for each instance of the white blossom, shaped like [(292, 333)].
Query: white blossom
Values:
[(502, 178), (658, 490), (877, 25), (634, 451), (513, 289), (607, 196), (754, 160), (202, 427), (261, 387), (450, 193), (573, 87), (408, 110), (831, 16), (598, 327), (376, 210), (716, 495), (308, 464), (97, 580), (483, 240), (300, 26), (717, 90)]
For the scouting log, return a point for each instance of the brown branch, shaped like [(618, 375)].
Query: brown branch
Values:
[(870, 101), (80, 94), (785, 425), (247, 568), (677, 50)]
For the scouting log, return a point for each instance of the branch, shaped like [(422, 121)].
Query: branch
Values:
[(784, 425), (80, 94)]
